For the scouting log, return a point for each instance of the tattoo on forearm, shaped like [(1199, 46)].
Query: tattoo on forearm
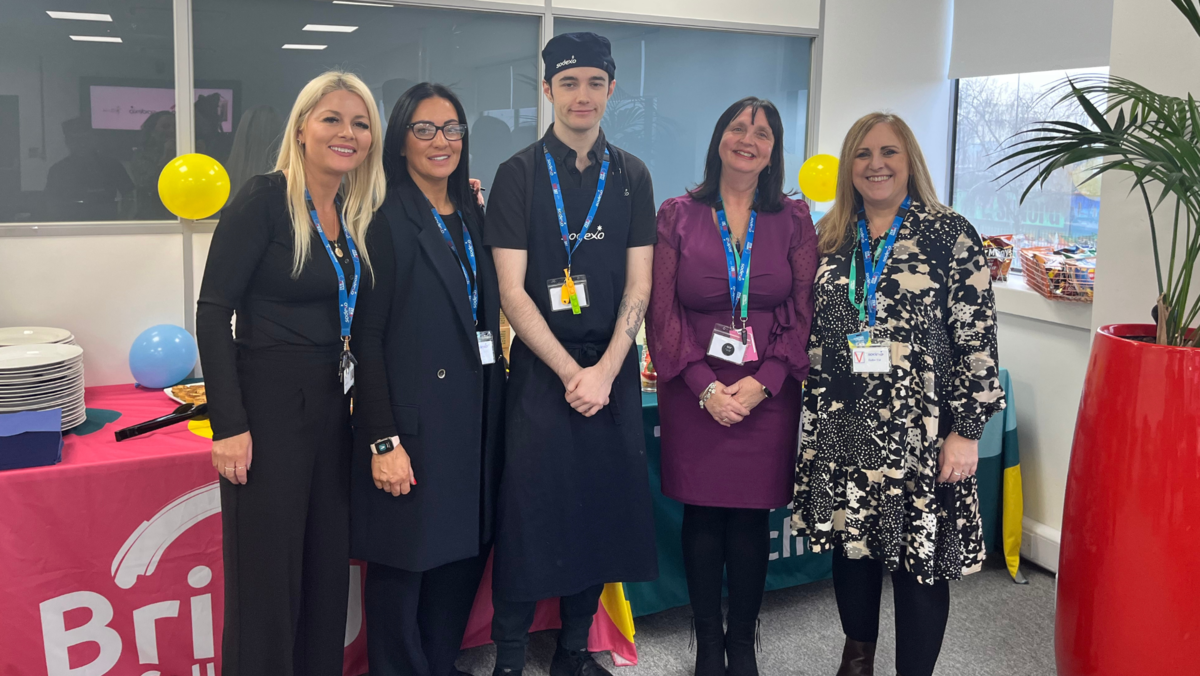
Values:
[(632, 312)]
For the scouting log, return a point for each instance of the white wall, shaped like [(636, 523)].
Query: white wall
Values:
[(890, 56), (792, 13), (1155, 46), (106, 290)]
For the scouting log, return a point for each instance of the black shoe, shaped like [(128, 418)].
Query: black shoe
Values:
[(575, 663), (710, 645), (741, 639)]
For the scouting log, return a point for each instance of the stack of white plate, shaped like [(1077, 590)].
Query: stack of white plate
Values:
[(42, 377), (35, 335)]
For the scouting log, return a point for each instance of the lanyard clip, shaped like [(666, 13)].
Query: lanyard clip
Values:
[(345, 343)]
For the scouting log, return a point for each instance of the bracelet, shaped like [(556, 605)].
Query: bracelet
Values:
[(708, 393)]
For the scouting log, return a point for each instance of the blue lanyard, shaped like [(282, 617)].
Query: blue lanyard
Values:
[(737, 266), (346, 302), (472, 289), (874, 269), (562, 212)]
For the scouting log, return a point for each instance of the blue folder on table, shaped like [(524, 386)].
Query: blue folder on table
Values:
[(30, 439)]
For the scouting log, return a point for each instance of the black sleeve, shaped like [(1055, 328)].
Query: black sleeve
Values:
[(372, 399), (238, 244), (504, 225), (643, 224)]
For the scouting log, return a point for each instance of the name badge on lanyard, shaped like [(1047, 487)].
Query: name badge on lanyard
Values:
[(728, 343), (347, 299), (487, 353), (869, 353), (569, 292)]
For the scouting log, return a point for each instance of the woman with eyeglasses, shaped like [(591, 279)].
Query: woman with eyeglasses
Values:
[(429, 409)]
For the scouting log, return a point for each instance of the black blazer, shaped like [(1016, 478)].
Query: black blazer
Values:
[(417, 341)]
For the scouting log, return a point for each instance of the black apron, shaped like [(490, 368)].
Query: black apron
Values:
[(574, 507)]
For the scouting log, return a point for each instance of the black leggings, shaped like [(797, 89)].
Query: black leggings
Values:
[(725, 539), (921, 610)]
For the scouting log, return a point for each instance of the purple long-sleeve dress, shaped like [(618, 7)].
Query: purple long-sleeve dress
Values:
[(752, 463)]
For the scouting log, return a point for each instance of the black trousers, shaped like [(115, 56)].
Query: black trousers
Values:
[(416, 620), (921, 611), (286, 531), (511, 621), (725, 541)]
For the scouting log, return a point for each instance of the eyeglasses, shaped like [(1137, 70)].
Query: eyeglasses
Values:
[(427, 130)]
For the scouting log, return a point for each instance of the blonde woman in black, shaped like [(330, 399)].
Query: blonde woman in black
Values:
[(288, 258)]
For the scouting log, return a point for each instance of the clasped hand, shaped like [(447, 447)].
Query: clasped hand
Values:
[(588, 389), (730, 404)]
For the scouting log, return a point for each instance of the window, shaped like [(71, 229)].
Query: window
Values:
[(673, 84), (489, 60), (85, 110), (990, 110)]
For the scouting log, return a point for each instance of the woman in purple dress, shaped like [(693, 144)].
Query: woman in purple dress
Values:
[(727, 327)]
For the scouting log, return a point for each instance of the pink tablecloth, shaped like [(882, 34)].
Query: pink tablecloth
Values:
[(111, 560)]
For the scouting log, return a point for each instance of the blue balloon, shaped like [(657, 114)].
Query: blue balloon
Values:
[(162, 356)]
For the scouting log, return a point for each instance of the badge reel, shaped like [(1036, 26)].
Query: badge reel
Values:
[(560, 302), (487, 347)]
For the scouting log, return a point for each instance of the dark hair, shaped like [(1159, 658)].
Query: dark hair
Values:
[(395, 166), (770, 180)]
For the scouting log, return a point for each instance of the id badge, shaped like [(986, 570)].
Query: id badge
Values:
[(487, 349), (877, 358), (555, 287), (346, 372), (726, 344)]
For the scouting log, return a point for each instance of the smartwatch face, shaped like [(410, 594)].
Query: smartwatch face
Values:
[(383, 446)]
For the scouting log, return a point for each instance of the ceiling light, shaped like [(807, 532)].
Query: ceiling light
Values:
[(360, 4), (94, 38), (315, 47), (79, 16), (322, 28)]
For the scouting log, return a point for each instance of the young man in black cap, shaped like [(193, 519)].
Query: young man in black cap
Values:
[(571, 224)]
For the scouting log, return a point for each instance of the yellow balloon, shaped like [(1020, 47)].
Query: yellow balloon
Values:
[(193, 186), (818, 178)]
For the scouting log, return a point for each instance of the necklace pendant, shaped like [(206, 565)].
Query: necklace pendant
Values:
[(337, 249)]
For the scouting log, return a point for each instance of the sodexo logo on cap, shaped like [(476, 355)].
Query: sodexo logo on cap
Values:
[(567, 62)]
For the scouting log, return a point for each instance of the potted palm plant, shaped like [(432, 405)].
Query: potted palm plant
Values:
[(1130, 550)]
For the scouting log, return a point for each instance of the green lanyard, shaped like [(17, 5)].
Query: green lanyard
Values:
[(861, 306)]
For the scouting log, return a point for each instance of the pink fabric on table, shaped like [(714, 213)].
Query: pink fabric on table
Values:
[(750, 464), (94, 549)]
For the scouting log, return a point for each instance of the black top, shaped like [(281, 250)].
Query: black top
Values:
[(507, 226), (454, 226), (249, 271)]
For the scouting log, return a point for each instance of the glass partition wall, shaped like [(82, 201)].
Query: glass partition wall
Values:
[(89, 109)]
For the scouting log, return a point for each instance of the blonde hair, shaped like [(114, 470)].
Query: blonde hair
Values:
[(363, 189), (833, 230)]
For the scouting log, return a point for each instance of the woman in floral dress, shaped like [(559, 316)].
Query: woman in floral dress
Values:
[(903, 378)]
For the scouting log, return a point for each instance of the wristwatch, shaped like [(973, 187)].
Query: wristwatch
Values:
[(766, 392), (385, 446)]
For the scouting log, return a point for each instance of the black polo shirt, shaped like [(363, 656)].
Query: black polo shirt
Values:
[(506, 225)]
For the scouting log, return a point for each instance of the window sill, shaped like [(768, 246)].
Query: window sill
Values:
[(1014, 297)]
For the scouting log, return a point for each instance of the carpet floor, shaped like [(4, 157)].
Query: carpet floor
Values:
[(996, 628)]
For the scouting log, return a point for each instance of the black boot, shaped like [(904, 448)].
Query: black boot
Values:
[(858, 659), (741, 639), (575, 663), (710, 645)]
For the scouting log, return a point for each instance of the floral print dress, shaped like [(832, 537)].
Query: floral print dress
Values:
[(867, 473)]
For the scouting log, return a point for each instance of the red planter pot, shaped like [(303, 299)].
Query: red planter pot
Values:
[(1129, 564)]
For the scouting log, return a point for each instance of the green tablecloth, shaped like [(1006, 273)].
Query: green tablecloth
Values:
[(791, 562)]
